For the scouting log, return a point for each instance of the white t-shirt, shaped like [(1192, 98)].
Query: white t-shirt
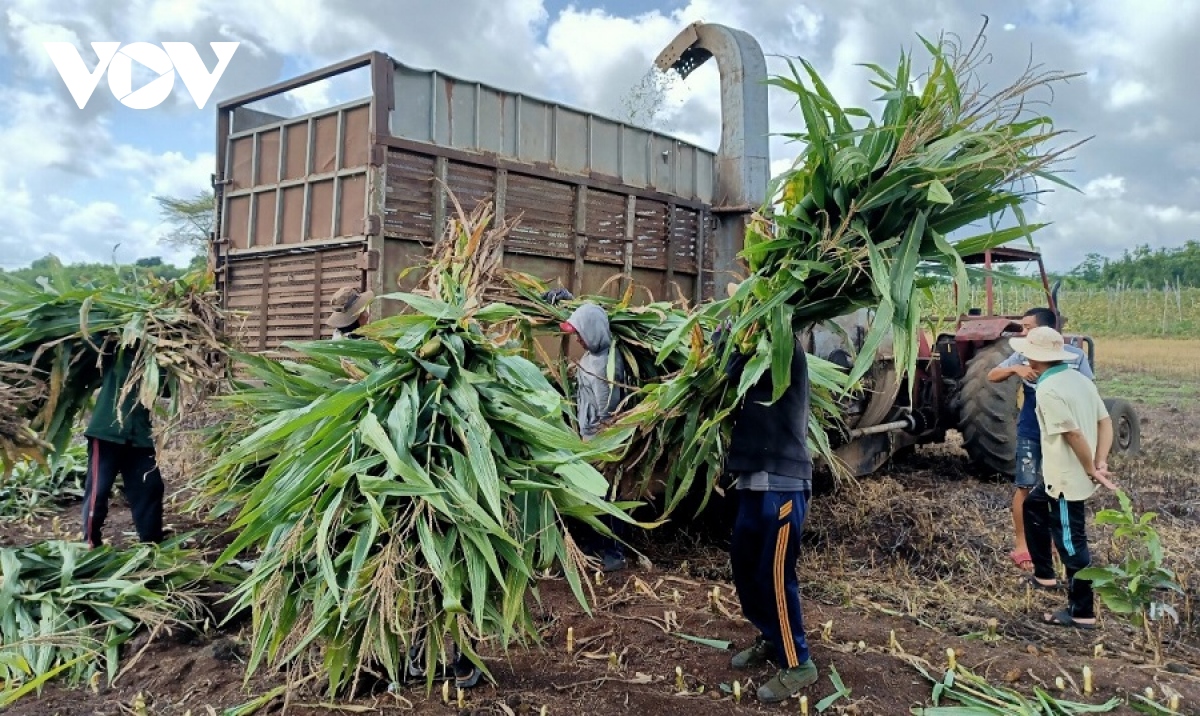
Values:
[(1066, 401)]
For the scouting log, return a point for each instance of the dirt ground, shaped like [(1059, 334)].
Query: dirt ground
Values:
[(919, 551)]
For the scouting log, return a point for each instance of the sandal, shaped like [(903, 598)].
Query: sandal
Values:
[(1063, 618), (1023, 561), (1033, 581)]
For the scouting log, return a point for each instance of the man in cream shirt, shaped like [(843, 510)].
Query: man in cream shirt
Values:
[(1077, 435)]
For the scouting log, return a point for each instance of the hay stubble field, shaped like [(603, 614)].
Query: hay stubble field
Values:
[(917, 552)]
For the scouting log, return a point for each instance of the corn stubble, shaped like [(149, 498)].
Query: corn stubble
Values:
[(860, 221), (406, 487)]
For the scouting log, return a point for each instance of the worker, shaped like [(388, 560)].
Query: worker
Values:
[(350, 311), (1076, 436), (770, 462), (1028, 471), (122, 444), (598, 394)]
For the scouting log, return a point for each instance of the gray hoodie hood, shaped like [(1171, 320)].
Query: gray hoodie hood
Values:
[(596, 396), (591, 323)]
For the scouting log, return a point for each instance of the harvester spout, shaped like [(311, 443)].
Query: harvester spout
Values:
[(743, 161)]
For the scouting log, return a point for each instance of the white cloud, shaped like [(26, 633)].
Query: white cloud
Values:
[(1107, 186), (1140, 177), (1125, 93)]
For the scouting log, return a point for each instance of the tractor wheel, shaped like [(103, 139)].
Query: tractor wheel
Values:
[(987, 412), (1127, 427)]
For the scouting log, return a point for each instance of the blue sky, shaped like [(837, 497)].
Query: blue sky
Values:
[(75, 182)]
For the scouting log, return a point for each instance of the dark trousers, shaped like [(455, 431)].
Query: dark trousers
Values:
[(142, 483), (1062, 522), (763, 552)]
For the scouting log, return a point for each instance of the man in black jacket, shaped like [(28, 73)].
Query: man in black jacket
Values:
[(769, 458)]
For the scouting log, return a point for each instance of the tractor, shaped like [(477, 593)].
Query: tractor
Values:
[(985, 412), (950, 389)]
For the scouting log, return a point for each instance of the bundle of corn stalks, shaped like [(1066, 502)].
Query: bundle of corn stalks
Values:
[(866, 207), (651, 340), (65, 610), (19, 388), (405, 488), (639, 331), (63, 331)]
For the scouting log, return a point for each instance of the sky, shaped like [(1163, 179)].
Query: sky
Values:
[(80, 183)]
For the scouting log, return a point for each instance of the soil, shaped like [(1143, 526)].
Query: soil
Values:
[(919, 551)]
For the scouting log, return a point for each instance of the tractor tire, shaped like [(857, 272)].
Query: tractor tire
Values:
[(1127, 427), (987, 413)]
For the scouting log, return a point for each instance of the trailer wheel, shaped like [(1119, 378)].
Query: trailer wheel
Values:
[(987, 412), (1127, 427)]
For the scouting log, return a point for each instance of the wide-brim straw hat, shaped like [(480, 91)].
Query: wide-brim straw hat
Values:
[(348, 305), (1042, 344)]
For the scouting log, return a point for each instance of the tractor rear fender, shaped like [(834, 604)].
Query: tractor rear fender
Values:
[(986, 329)]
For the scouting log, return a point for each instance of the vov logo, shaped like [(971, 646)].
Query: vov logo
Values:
[(165, 61)]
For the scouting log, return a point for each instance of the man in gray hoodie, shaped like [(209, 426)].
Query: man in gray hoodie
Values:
[(598, 394)]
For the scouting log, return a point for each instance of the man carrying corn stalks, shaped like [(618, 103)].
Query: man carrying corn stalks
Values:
[(1029, 438), (598, 395), (1077, 435), (120, 440), (350, 311), (769, 457)]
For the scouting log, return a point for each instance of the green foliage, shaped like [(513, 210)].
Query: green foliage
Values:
[(33, 489), (1142, 267), (60, 328), (85, 273), (1130, 588), (65, 609), (866, 208), (405, 487), (979, 698)]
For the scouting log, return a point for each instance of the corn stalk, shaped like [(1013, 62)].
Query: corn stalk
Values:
[(979, 698), (66, 610), (33, 489), (862, 219), (19, 387), (406, 487)]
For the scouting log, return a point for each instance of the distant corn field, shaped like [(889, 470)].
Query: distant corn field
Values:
[(1173, 313)]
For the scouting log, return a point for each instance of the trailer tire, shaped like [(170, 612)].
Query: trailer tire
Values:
[(987, 413), (1127, 427)]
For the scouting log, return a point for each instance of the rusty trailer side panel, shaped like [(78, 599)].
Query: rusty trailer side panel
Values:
[(356, 194)]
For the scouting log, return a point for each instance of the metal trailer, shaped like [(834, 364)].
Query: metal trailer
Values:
[(355, 194)]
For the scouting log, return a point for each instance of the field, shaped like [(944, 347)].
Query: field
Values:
[(1147, 313), (918, 551)]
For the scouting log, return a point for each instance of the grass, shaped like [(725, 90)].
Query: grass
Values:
[(1158, 372), (1152, 357)]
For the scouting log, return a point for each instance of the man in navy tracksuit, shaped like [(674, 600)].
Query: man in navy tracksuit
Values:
[(769, 457)]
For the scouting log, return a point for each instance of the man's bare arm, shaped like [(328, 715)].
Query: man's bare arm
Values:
[(1000, 374), (1083, 452), (1104, 441)]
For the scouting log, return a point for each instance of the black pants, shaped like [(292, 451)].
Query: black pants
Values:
[(143, 488), (763, 552), (1062, 522)]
